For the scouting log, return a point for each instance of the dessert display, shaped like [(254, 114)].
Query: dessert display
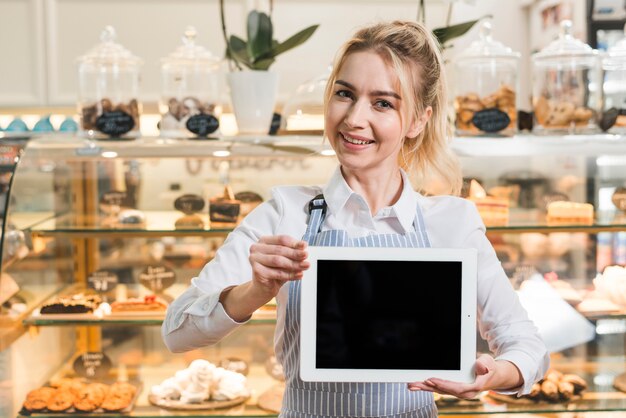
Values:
[(93, 116), (619, 198), (611, 285), (570, 212), (75, 395), (150, 303), (494, 211), (190, 205), (274, 368), (202, 385), (553, 113), (249, 201), (224, 208), (555, 387), (272, 399), (180, 111), (79, 303), (131, 217), (235, 365), (468, 105)]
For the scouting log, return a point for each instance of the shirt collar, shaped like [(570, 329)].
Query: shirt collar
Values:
[(337, 192)]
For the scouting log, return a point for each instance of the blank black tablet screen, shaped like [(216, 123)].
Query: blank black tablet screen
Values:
[(388, 315)]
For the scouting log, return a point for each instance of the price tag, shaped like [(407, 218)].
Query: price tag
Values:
[(102, 280), (93, 365), (491, 120), (189, 203), (202, 125), (157, 278), (115, 123), (110, 202)]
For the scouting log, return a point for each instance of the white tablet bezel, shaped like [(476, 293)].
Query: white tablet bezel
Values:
[(308, 314)]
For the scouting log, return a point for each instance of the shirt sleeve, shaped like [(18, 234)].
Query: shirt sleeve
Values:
[(502, 320), (197, 318)]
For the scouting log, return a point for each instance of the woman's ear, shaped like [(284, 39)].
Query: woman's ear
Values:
[(418, 125)]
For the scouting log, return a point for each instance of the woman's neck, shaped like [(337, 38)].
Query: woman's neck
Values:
[(379, 191)]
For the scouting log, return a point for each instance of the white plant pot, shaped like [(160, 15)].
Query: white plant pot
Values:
[(253, 95)]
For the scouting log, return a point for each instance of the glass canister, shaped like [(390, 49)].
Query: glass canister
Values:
[(108, 93), (486, 87), (614, 89), (567, 90), (304, 110), (190, 104)]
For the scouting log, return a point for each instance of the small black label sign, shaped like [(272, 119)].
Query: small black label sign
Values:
[(157, 278), (202, 125), (115, 123), (491, 120), (93, 365), (102, 280), (189, 203)]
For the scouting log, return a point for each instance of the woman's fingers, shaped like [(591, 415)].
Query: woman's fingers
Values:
[(279, 262), (283, 241)]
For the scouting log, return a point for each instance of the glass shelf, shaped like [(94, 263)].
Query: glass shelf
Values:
[(159, 223)]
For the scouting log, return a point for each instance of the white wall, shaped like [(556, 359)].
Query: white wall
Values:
[(42, 38)]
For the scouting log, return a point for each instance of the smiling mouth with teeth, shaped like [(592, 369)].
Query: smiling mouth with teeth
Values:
[(356, 141)]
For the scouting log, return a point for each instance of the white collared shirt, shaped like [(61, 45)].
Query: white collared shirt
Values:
[(197, 318)]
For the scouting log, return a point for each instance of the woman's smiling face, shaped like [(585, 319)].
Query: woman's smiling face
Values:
[(363, 117)]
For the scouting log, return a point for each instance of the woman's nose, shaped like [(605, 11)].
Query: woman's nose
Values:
[(357, 114)]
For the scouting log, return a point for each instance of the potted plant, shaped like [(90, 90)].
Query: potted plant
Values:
[(253, 88)]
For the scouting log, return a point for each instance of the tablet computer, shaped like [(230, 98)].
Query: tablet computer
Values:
[(388, 314)]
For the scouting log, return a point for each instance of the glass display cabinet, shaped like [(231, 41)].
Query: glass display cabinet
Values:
[(101, 235)]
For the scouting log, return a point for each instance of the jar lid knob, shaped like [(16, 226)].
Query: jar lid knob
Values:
[(108, 34), (485, 31), (189, 36), (566, 29)]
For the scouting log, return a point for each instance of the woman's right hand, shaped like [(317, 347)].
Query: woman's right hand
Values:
[(276, 260)]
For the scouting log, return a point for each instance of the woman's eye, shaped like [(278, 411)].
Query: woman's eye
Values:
[(383, 104), (344, 93)]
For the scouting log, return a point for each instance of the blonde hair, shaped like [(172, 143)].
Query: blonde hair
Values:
[(414, 53)]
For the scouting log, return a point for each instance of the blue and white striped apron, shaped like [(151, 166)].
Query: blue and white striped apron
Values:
[(320, 399)]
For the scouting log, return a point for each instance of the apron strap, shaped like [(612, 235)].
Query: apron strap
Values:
[(420, 227), (317, 213)]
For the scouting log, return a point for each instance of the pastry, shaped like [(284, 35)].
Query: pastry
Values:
[(90, 397), (37, 399), (131, 217), (78, 303), (466, 106), (61, 400), (493, 210), (619, 198), (224, 208), (611, 285), (189, 222), (552, 113), (119, 396), (147, 303), (561, 211), (235, 365)]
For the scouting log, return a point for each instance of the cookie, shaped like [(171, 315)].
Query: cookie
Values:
[(62, 400), (37, 399)]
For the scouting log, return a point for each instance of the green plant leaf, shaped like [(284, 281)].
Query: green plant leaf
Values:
[(292, 42), (238, 51), (263, 64), (447, 33), (260, 32)]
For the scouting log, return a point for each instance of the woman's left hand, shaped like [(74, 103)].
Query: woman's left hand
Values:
[(484, 368)]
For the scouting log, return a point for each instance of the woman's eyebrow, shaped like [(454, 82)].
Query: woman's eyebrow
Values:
[(372, 93)]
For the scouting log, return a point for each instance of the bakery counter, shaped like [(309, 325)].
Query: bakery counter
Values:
[(154, 224), (76, 305)]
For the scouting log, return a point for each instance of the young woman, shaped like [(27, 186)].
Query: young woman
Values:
[(385, 109)]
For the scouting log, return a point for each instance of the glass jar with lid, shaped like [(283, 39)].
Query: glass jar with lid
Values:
[(614, 88), (486, 87), (304, 110), (108, 90), (190, 103), (567, 92)]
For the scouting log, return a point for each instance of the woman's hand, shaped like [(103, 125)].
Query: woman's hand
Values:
[(485, 369), (275, 260)]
